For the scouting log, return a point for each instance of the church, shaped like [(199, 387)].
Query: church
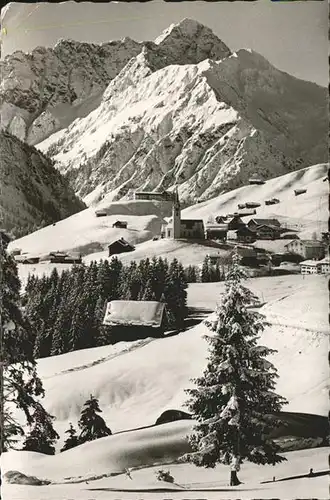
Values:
[(178, 228)]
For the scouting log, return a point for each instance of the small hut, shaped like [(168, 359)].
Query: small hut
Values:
[(297, 192), (120, 246)]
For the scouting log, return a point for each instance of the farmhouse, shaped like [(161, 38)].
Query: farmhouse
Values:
[(26, 259), (309, 249), (245, 235), (267, 232), (133, 319), (253, 223), (122, 224), (120, 246), (216, 232)]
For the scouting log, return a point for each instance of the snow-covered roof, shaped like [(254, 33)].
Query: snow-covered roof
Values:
[(122, 242), (307, 243), (326, 260), (217, 227), (313, 263), (266, 222), (134, 313)]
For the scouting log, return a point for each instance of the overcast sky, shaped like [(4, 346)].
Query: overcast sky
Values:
[(292, 36)]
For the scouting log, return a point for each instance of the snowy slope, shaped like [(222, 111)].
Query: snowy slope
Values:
[(306, 213), (206, 123), (134, 393), (96, 457)]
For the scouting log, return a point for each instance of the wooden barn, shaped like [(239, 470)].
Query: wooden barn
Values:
[(252, 204), (297, 192), (120, 246), (101, 213), (120, 224), (135, 319), (256, 181)]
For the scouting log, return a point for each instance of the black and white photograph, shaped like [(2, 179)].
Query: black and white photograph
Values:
[(164, 250)]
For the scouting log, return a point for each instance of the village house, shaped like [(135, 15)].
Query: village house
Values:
[(254, 223), (133, 319), (216, 232), (122, 224), (245, 235), (310, 267), (235, 222), (267, 232), (26, 259), (309, 249), (120, 246), (324, 265)]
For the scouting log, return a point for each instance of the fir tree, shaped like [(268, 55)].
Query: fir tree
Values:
[(92, 425), (42, 436), (205, 274), (234, 397), (20, 384), (72, 441)]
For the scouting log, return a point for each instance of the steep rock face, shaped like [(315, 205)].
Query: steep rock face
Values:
[(46, 90), (207, 127), (32, 192), (65, 82)]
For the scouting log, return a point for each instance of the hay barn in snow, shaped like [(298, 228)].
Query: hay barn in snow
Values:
[(135, 319)]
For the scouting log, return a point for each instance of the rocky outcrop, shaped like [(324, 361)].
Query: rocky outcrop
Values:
[(46, 90), (32, 192)]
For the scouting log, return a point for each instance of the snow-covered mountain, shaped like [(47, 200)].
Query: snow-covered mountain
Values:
[(33, 192), (181, 110), (47, 89)]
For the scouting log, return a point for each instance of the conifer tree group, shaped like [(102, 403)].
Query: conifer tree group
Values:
[(20, 385), (92, 426), (66, 310)]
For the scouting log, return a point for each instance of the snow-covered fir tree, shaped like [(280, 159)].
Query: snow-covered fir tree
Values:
[(91, 424), (72, 440), (42, 436), (234, 398)]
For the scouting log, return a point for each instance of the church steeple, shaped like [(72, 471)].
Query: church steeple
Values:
[(176, 215)]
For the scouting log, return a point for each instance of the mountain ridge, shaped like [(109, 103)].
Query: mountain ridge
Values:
[(33, 192)]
